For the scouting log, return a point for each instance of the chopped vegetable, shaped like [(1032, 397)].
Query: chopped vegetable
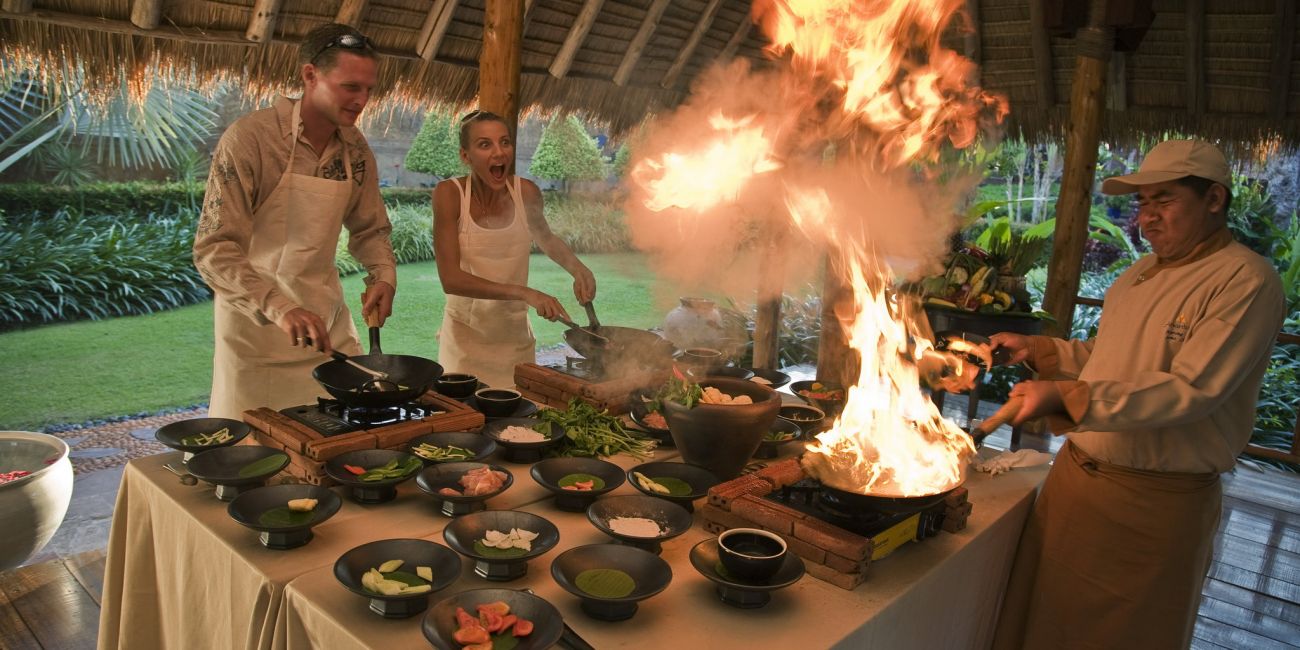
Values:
[(390, 470), (442, 454), (581, 482), (650, 485), (387, 580), (355, 470), (208, 439), (593, 433), (261, 466), (495, 628)]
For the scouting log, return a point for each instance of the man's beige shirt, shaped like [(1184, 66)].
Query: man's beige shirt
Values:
[(246, 167)]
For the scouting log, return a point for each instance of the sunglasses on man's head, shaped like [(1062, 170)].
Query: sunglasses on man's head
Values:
[(347, 42)]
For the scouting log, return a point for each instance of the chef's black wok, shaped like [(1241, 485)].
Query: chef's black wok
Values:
[(411, 377), (854, 502), (626, 345)]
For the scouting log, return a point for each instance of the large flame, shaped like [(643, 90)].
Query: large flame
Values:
[(844, 138)]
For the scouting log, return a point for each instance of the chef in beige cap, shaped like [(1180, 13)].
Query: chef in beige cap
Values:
[(1155, 408)]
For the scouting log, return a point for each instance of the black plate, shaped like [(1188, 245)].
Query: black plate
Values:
[(521, 452), (221, 467), (742, 593), (414, 553), (526, 408), (447, 475), (673, 519), (697, 477), (249, 506), (771, 448), (369, 491), (481, 446), (777, 377), (548, 472), (440, 623), (464, 531), (171, 434), (733, 372), (650, 575), (831, 407)]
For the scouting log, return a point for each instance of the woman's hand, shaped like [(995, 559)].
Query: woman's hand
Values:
[(584, 285), (547, 306), (1017, 346)]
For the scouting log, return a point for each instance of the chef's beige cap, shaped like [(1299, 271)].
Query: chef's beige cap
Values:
[(1171, 160)]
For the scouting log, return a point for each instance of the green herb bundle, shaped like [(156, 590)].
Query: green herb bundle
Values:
[(594, 433), (678, 389)]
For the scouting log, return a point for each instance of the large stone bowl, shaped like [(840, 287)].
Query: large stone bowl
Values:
[(722, 437), (33, 506)]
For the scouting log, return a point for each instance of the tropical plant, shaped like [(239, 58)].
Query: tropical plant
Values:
[(67, 164), (588, 224), (622, 158), (566, 153), (412, 238), (436, 148)]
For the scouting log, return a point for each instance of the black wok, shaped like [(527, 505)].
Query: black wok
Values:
[(410, 377), (854, 502), (626, 346)]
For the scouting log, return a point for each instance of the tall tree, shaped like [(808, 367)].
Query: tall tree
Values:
[(566, 153), (436, 148)]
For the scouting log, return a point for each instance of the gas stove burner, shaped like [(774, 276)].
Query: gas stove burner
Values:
[(580, 367), (331, 417), (812, 498)]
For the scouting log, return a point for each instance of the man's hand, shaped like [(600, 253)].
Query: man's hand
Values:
[(546, 305), (378, 300), (303, 326), (584, 285), (1038, 398), (1016, 345)]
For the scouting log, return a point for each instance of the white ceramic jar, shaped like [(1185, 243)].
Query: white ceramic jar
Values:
[(695, 323), (32, 507)]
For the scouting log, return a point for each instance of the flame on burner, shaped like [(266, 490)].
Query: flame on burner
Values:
[(862, 104)]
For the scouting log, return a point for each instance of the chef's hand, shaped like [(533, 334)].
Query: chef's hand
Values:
[(1038, 398), (378, 300), (306, 329), (1017, 346), (584, 285), (546, 305)]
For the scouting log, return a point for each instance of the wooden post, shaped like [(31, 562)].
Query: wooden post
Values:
[(634, 49), (1194, 61), (972, 42), (1117, 83), (262, 25), (1041, 45), (835, 359), (498, 78), (577, 34), (767, 322), (1280, 69), (352, 13), (146, 14), (1073, 206)]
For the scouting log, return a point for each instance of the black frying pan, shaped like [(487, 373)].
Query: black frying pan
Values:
[(625, 344), (408, 377), (855, 502)]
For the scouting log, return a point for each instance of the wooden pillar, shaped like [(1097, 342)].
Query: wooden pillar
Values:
[(1280, 68), (1073, 206), (836, 361), (261, 27), (498, 77), (1041, 45), (146, 14), (771, 287)]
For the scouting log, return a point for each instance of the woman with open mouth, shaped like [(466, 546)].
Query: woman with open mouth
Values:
[(484, 227)]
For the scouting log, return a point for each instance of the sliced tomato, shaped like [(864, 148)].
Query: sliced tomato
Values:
[(523, 627), (355, 470)]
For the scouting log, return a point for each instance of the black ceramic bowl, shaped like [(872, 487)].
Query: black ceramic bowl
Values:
[(250, 507), (376, 491), (751, 554), (174, 435), (462, 534), (447, 475), (237, 469), (650, 575), (440, 622), (673, 520), (497, 402), (457, 385), (479, 446), (698, 478), (739, 592), (733, 372), (413, 553), (521, 452), (636, 407), (550, 472), (525, 408), (776, 379), (831, 407), (808, 418), (782, 433), (723, 437)]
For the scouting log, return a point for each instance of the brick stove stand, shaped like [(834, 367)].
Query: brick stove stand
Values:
[(830, 553)]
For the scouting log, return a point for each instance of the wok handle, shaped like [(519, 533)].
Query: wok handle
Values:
[(372, 321), (592, 321)]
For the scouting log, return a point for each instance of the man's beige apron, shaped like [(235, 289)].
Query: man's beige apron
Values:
[(1112, 557), (295, 233), (482, 337)]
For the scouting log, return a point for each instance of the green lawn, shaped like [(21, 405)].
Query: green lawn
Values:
[(97, 369)]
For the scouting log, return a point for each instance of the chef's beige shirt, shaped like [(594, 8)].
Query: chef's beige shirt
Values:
[(246, 167)]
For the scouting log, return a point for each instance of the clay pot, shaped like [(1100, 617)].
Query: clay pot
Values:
[(722, 437), (33, 506)]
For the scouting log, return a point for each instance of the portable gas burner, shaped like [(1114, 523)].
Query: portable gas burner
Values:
[(887, 528), (331, 417), (579, 367)]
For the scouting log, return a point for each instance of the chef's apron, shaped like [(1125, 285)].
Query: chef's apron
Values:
[(1112, 557), (482, 337), (295, 234)]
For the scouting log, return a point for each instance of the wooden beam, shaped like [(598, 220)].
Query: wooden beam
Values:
[(1283, 45), (434, 28), (146, 14), (684, 57), (972, 39), (742, 32), (1195, 56), (262, 25), (1041, 45), (352, 13), (1087, 102), (637, 46), (498, 79), (1117, 83), (577, 34), (16, 6)]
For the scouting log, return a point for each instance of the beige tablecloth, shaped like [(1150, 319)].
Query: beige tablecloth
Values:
[(942, 592), (180, 573)]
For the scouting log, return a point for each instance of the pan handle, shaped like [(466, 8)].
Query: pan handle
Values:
[(592, 321), (372, 321)]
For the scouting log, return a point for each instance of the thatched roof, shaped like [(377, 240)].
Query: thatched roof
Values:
[(1225, 69)]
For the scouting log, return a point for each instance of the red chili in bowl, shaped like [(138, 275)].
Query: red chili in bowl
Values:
[(5, 477)]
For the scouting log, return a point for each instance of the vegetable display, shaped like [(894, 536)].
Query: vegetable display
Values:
[(441, 454), (593, 433)]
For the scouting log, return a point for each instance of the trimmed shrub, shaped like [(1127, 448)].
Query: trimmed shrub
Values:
[(436, 148), (587, 224), (135, 197), (566, 153)]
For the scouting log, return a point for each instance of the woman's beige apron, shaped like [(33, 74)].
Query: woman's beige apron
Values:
[(1112, 558), (483, 337), (295, 233)]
